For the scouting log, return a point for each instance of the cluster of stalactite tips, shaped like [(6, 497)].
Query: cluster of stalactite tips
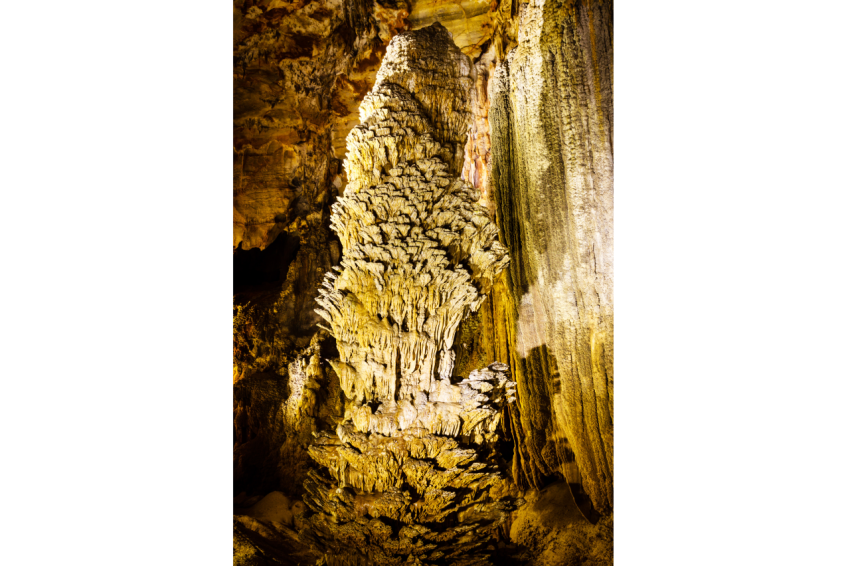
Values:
[(411, 475)]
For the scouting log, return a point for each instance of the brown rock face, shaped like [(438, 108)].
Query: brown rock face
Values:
[(386, 177), (551, 532), (551, 122), (469, 21), (300, 70)]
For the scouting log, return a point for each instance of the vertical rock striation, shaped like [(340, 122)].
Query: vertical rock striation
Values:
[(414, 475), (415, 288), (551, 122)]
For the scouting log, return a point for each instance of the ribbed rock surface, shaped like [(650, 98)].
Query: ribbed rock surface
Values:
[(414, 476), (527, 122), (551, 123)]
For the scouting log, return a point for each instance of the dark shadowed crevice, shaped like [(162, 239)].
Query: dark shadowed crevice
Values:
[(584, 503), (259, 270)]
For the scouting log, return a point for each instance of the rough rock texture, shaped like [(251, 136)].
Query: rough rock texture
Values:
[(551, 123), (418, 253), (274, 420), (469, 21), (414, 475), (264, 531), (526, 121), (551, 532), (300, 72), (298, 68)]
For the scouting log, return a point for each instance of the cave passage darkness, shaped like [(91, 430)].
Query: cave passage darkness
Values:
[(258, 270)]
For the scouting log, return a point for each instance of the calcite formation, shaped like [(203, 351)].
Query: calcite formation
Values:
[(413, 474), (530, 117), (552, 126)]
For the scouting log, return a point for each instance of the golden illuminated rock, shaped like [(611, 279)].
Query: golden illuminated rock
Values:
[(469, 21), (552, 171), (300, 70), (414, 448), (418, 253), (391, 412)]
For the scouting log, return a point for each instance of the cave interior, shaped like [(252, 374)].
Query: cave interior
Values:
[(423, 282)]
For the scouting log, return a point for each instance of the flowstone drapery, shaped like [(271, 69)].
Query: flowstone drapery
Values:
[(414, 477)]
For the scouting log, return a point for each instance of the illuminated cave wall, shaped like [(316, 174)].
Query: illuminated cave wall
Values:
[(539, 151), (551, 122)]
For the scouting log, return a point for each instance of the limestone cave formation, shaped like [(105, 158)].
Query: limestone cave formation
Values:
[(423, 282)]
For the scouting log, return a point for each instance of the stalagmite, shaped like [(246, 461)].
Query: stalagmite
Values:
[(412, 472)]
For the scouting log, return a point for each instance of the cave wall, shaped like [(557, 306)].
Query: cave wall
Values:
[(551, 123), (539, 151)]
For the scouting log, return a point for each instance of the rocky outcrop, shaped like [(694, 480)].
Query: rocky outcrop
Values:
[(513, 124), (551, 532), (413, 472), (275, 417), (264, 531), (470, 22), (300, 68), (551, 123), (274, 319)]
